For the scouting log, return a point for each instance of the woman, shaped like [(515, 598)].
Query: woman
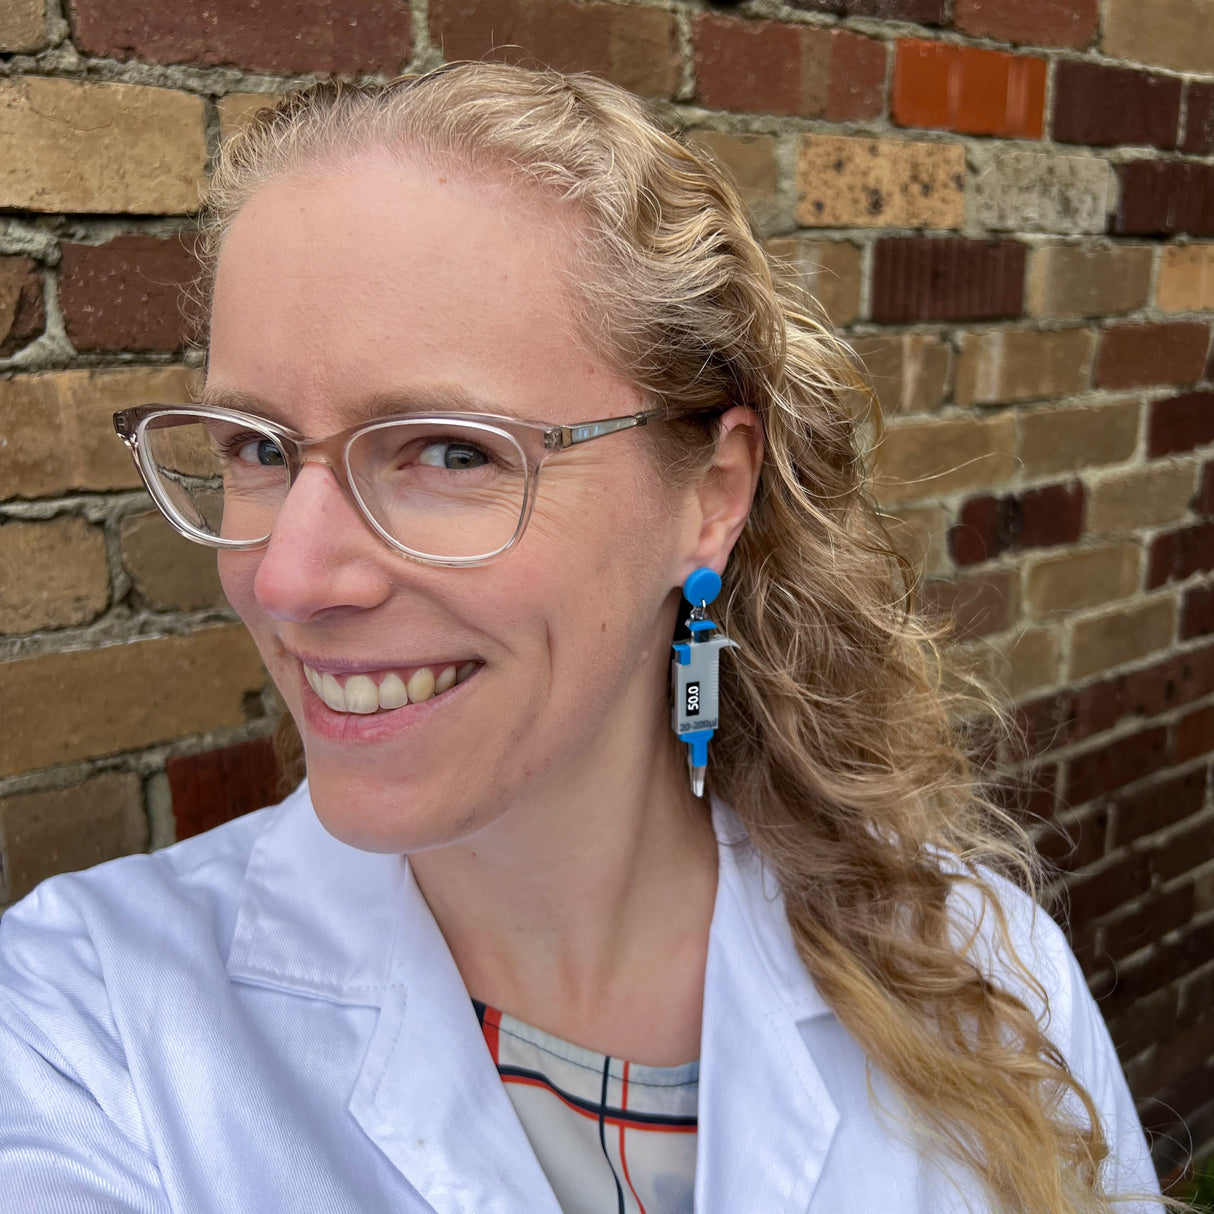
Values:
[(815, 994)]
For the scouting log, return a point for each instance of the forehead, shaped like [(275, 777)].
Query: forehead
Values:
[(385, 278)]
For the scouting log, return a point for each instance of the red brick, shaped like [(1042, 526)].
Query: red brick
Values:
[(1177, 555), (1093, 894), (1165, 197), (1078, 843), (962, 88), (127, 294), (1159, 914), (1164, 803), (1116, 764), (946, 278), (1187, 849), (215, 787), (857, 78), (1034, 518), (1149, 1021), (1193, 946), (922, 12), (280, 36), (977, 605), (1038, 22), (1099, 105), (1203, 503), (1197, 613), (1180, 423), (22, 313), (1198, 137), (1194, 732), (1132, 356)]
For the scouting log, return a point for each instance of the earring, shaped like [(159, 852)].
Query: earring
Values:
[(693, 675)]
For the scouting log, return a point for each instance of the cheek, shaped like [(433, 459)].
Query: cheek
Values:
[(237, 573)]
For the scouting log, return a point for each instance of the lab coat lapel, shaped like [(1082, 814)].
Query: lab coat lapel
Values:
[(766, 1118)]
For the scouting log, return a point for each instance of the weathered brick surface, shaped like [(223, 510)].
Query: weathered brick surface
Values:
[(1127, 634), (271, 36), (52, 574), (771, 67), (22, 312), (58, 428), (169, 573), (945, 278), (1099, 105), (1068, 281), (911, 373), (1055, 440), (98, 702), (128, 293), (931, 458), (975, 605), (1075, 580), (828, 269), (1180, 423), (1142, 497), (23, 25), (1165, 33), (238, 109), (1038, 22), (1138, 355), (847, 182), (73, 145), (1180, 553), (1023, 364), (963, 88), (925, 12), (1198, 138), (70, 828), (1036, 192), (1186, 278), (751, 162), (214, 787), (1165, 197), (987, 526)]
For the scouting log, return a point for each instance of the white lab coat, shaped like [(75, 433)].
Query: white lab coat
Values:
[(263, 1020)]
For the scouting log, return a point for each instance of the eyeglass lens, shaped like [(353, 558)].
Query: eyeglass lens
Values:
[(452, 491)]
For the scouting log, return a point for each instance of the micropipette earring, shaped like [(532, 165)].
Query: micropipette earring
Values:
[(693, 675)]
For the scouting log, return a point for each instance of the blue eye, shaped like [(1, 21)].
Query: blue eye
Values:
[(263, 451), (453, 456)]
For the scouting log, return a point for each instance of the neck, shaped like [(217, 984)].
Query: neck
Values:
[(586, 910)]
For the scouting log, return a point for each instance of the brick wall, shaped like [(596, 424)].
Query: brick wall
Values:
[(1008, 206)]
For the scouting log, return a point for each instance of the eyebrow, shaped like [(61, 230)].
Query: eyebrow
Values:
[(441, 398)]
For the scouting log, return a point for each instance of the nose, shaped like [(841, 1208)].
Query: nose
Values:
[(322, 557)]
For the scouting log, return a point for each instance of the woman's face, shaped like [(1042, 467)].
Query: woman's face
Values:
[(391, 280)]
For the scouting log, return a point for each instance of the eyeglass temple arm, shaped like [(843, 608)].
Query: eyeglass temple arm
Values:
[(560, 437)]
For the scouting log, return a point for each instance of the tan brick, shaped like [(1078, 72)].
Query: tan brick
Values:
[(59, 430), (1033, 661), (1076, 436), (1068, 281), (1143, 497), (911, 373), (1186, 278), (1165, 33), (1073, 580), (22, 25), (922, 460), (1023, 364), (1113, 638), (921, 535), (66, 706), (169, 571), (643, 51), (236, 109), (70, 828), (74, 145), (829, 270), (851, 183), (52, 574), (751, 162)]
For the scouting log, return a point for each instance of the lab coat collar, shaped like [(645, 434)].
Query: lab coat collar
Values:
[(322, 919)]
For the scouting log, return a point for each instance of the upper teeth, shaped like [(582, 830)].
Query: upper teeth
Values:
[(362, 694)]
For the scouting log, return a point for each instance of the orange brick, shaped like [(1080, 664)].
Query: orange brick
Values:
[(962, 88), (236, 109), (1186, 278)]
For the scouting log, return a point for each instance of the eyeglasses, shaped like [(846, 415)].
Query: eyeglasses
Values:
[(440, 488)]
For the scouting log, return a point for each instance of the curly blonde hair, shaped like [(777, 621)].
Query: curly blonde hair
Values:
[(840, 749)]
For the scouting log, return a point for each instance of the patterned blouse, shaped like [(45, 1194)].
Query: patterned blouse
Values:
[(612, 1137)]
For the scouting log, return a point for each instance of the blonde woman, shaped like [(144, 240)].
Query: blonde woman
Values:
[(494, 367)]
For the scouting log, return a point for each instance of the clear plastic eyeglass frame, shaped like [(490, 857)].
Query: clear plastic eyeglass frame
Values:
[(536, 441)]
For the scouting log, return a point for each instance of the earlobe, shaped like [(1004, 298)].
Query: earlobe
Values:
[(727, 488)]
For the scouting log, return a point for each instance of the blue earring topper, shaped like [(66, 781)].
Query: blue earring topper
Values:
[(694, 675)]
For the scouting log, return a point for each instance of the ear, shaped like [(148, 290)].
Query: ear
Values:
[(726, 488)]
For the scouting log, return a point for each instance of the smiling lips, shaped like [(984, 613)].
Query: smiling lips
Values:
[(385, 690)]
